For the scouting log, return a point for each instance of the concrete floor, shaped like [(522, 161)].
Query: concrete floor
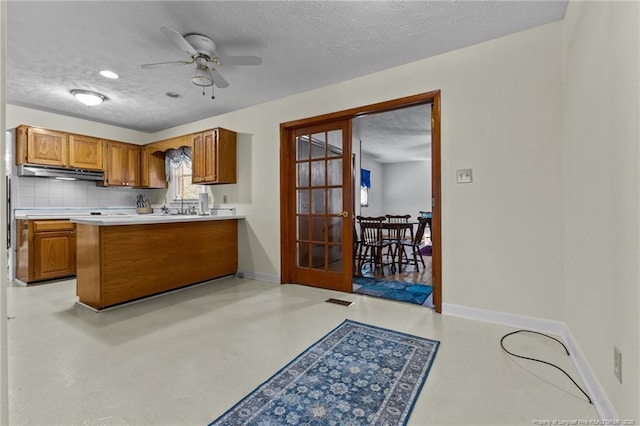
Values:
[(186, 357)]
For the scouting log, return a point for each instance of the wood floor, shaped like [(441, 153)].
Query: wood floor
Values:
[(409, 273)]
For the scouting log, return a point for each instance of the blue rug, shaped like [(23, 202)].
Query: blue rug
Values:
[(357, 374), (395, 290)]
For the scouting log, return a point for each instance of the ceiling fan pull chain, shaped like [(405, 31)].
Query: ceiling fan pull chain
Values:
[(212, 97)]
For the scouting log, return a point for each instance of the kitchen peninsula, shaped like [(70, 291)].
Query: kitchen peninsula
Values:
[(124, 258)]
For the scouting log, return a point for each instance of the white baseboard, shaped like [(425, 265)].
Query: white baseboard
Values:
[(504, 318), (598, 396), (259, 276), (601, 401)]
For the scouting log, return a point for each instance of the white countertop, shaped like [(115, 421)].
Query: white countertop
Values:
[(68, 213), (120, 216), (147, 219)]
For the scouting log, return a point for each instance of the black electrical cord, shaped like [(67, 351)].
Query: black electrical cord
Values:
[(539, 360)]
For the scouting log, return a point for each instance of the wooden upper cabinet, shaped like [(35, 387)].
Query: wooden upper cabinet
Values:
[(123, 164), (198, 158), (132, 176), (144, 166), (214, 157), (41, 146), (152, 168), (85, 152)]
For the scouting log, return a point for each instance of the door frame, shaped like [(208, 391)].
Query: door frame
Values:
[(287, 199)]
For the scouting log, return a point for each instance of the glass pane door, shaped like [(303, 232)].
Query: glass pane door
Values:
[(319, 200)]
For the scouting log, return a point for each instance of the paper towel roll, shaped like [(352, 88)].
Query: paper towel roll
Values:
[(203, 200)]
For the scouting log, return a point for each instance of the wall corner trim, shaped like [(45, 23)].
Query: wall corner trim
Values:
[(601, 402)]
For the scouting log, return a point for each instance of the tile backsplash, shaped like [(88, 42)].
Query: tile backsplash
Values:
[(30, 192)]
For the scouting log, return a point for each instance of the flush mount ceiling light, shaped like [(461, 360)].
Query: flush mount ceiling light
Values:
[(109, 74), (88, 98)]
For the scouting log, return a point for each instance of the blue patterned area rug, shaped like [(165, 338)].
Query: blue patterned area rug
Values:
[(396, 290), (357, 374)]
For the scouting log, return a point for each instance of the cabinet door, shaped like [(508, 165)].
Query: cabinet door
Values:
[(152, 168), (144, 166), (132, 171), (46, 147), (210, 156), (225, 155), (205, 166), (116, 156), (55, 254), (199, 158), (85, 152)]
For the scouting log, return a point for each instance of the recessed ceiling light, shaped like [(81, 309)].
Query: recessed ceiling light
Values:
[(88, 98), (173, 95), (109, 74)]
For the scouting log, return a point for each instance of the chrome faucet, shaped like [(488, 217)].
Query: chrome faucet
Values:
[(181, 211)]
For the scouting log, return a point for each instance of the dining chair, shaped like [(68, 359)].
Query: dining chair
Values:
[(372, 244), (356, 251), (429, 217), (414, 244), (396, 234)]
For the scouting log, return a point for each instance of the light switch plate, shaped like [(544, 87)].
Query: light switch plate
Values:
[(464, 176)]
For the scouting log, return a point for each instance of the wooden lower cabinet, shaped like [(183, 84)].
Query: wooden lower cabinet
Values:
[(46, 250), (120, 263)]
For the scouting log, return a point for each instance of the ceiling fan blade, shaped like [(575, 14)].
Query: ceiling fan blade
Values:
[(163, 64), (238, 60), (177, 38), (218, 79)]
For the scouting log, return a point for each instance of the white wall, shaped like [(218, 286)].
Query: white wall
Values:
[(407, 187), (500, 116), (601, 190)]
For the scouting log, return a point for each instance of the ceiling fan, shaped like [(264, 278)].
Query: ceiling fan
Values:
[(201, 50)]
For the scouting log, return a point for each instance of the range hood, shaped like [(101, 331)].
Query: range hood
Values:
[(53, 172)]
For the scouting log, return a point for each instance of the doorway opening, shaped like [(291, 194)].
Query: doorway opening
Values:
[(334, 228), (392, 160)]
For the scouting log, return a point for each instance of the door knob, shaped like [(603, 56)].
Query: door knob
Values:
[(345, 214)]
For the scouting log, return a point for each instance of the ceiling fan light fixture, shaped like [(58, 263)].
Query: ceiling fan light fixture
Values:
[(202, 77), (88, 98)]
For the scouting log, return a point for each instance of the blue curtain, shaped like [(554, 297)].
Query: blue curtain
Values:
[(365, 178)]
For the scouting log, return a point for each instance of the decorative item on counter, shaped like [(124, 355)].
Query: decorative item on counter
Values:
[(143, 206)]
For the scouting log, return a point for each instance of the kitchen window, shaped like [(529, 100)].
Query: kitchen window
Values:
[(180, 185), (179, 174)]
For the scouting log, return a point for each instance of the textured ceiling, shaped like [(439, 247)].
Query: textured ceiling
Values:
[(395, 136), (54, 47)]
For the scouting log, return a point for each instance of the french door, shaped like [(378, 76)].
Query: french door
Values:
[(317, 220), (305, 232)]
